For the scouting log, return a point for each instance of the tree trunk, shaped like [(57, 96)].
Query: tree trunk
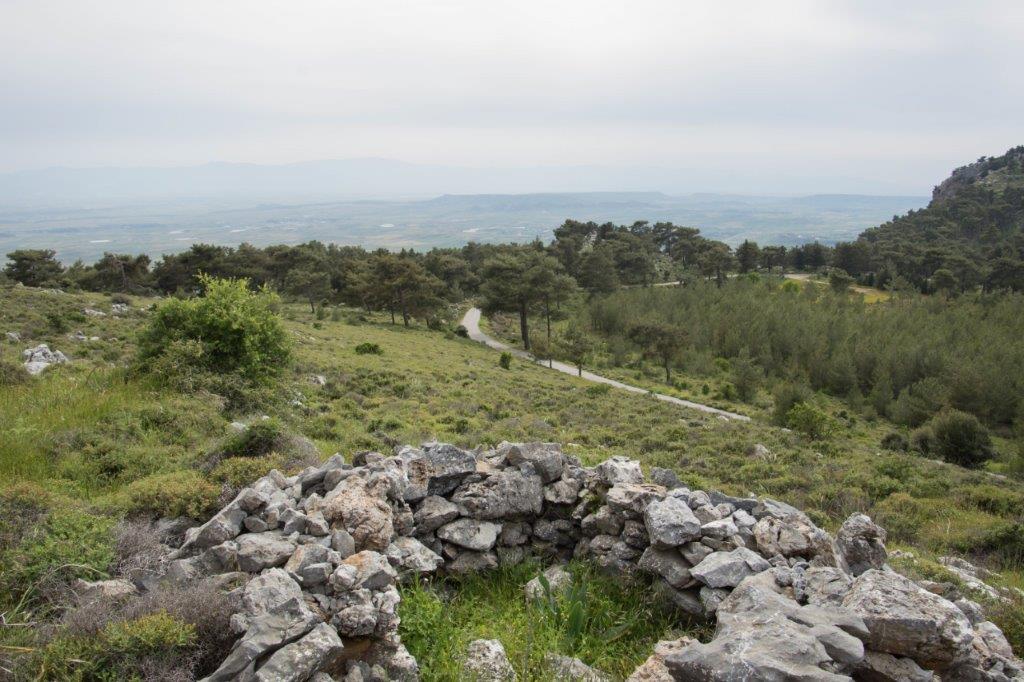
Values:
[(523, 327), (405, 310), (668, 372), (312, 307), (547, 314), (392, 309), (579, 370)]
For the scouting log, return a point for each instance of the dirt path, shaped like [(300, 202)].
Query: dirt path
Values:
[(471, 321)]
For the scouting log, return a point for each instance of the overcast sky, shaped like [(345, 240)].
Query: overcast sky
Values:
[(888, 94)]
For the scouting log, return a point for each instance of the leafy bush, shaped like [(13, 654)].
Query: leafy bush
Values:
[(810, 421), (961, 439), (368, 348), (895, 441), (122, 650), (258, 439), (922, 440), (12, 374), (505, 360), (229, 329), (462, 331), (787, 395), (239, 472), (180, 493), (69, 544)]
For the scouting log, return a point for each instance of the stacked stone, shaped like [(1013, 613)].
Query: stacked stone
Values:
[(320, 555)]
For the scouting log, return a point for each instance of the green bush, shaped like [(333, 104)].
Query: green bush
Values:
[(787, 395), (505, 360), (239, 472), (922, 440), (12, 374), (260, 438), (810, 421), (462, 331), (895, 441), (368, 348), (180, 493), (960, 438), (229, 329), (69, 544), (121, 650)]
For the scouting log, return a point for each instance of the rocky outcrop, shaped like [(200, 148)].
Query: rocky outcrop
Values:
[(39, 358), (325, 550)]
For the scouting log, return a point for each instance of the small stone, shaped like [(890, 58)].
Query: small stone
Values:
[(670, 523), (475, 535), (486, 661)]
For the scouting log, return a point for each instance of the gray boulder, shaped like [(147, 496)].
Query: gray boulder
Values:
[(728, 569), (546, 458), (558, 580), (478, 536), (257, 551), (668, 564), (434, 511), (906, 620), (861, 544), (882, 667), (410, 556), (486, 661), (618, 470), (438, 470), (508, 493), (670, 523), (298, 661), (569, 669)]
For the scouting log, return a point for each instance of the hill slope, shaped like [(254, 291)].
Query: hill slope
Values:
[(973, 229)]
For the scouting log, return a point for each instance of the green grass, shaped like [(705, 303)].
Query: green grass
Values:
[(613, 627)]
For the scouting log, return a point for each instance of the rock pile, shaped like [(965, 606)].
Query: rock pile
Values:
[(39, 358), (320, 554)]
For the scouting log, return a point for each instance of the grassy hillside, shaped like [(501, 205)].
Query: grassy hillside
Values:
[(88, 443)]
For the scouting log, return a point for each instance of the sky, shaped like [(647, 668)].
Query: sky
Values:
[(865, 95)]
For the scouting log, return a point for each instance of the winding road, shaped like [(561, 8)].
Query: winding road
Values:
[(471, 321)]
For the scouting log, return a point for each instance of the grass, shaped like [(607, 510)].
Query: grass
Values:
[(613, 626), (101, 442)]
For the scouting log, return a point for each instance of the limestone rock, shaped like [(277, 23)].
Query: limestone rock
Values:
[(478, 536), (298, 661), (861, 544), (654, 669), (881, 667), (728, 569), (486, 661), (558, 580), (546, 458), (508, 493), (411, 556), (668, 564), (257, 551), (434, 511), (619, 470), (906, 620), (568, 669), (357, 507), (670, 523)]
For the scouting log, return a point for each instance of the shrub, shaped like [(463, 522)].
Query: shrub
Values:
[(922, 440), (961, 439), (12, 374), (810, 421), (181, 493), (505, 360), (69, 544), (57, 322), (236, 330), (367, 348), (895, 441), (258, 439), (239, 472), (120, 298), (462, 331), (786, 396)]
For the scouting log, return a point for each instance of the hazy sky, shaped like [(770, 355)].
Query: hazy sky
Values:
[(880, 94)]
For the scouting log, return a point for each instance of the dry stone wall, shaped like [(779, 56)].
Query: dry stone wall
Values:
[(321, 554)]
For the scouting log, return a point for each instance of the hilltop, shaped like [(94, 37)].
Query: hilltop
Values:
[(970, 234)]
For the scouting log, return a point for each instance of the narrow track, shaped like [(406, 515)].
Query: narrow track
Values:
[(471, 321)]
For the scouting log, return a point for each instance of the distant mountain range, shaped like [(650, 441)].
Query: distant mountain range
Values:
[(334, 180)]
